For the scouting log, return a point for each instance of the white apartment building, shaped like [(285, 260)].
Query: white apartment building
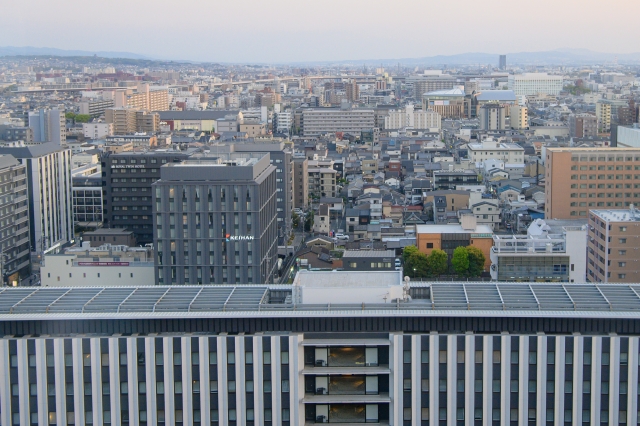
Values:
[(398, 119), (534, 83), (317, 121), (282, 121), (50, 198), (97, 130), (490, 149)]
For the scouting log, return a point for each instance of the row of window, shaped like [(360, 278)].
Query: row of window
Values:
[(515, 357), (514, 414)]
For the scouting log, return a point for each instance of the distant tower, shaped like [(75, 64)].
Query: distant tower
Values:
[(503, 62)]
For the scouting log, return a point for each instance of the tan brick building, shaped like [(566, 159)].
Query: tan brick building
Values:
[(612, 249), (580, 179)]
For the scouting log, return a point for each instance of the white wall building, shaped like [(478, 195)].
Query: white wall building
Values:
[(534, 83), (629, 137), (97, 130), (106, 265), (490, 149), (398, 119)]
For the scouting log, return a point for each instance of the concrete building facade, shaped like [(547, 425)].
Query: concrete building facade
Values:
[(215, 220), (50, 199), (317, 121), (613, 245), (581, 179), (535, 83), (300, 182), (14, 221), (49, 125)]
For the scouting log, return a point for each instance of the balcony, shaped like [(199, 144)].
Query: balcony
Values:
[(344, 414), (341, 357)]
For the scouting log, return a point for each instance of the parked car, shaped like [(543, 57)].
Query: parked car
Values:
[(342, 237)]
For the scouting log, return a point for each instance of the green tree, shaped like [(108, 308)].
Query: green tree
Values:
[(308, 223), (69, 115), (407, 252), (82, 118), (295, 219), (438, 262), (476, 261), (460, 261), (417, 265)]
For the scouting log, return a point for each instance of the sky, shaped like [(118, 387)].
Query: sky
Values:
[(277, 31)]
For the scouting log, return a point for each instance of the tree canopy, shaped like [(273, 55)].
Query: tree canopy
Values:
[(460, 261)]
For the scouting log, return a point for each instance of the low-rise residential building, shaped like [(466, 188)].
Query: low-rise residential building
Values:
[(322, 220), (451, 236), (452, 179), (487, 212), (322, 182), (97, 130), (540, 256), (368, 260), (106, 265), (490, 149)]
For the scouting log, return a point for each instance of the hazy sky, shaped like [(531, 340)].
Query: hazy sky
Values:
[(308, 30)]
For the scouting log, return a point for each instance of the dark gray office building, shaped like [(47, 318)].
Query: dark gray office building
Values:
[(216, 220), (126, 187), (14, 220), (281, 157)]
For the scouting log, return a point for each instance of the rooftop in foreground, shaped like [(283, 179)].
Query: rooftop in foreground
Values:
[(456, 299)]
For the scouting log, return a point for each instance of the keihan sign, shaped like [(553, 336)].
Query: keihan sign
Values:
[(239, 237)]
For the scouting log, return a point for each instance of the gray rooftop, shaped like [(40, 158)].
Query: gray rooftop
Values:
[(368, 253), (446, 299)]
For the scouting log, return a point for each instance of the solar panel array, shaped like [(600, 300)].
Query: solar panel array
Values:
[(44, 300), (536, 296), (444, 296)]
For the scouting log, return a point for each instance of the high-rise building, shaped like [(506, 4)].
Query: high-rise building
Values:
[(14, 226), (470, 353), (300, 182), (582, 125), (126, 186), (581, 179), (352, 90), (49, 125), (123, 120), (127, 121), (503, 62), (535, 83), (149, 99), (50, 200), (215, 220), (519, 117), (613, 245), (492, 116)]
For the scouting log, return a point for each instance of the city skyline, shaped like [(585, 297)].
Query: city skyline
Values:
[(151, 30)]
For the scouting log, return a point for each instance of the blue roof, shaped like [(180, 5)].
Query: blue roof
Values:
[(496, 95)]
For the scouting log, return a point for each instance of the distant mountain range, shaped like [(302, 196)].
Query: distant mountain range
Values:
[(550, 57), (50, 51)]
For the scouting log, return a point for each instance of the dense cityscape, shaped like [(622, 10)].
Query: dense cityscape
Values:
[(402, 243)]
